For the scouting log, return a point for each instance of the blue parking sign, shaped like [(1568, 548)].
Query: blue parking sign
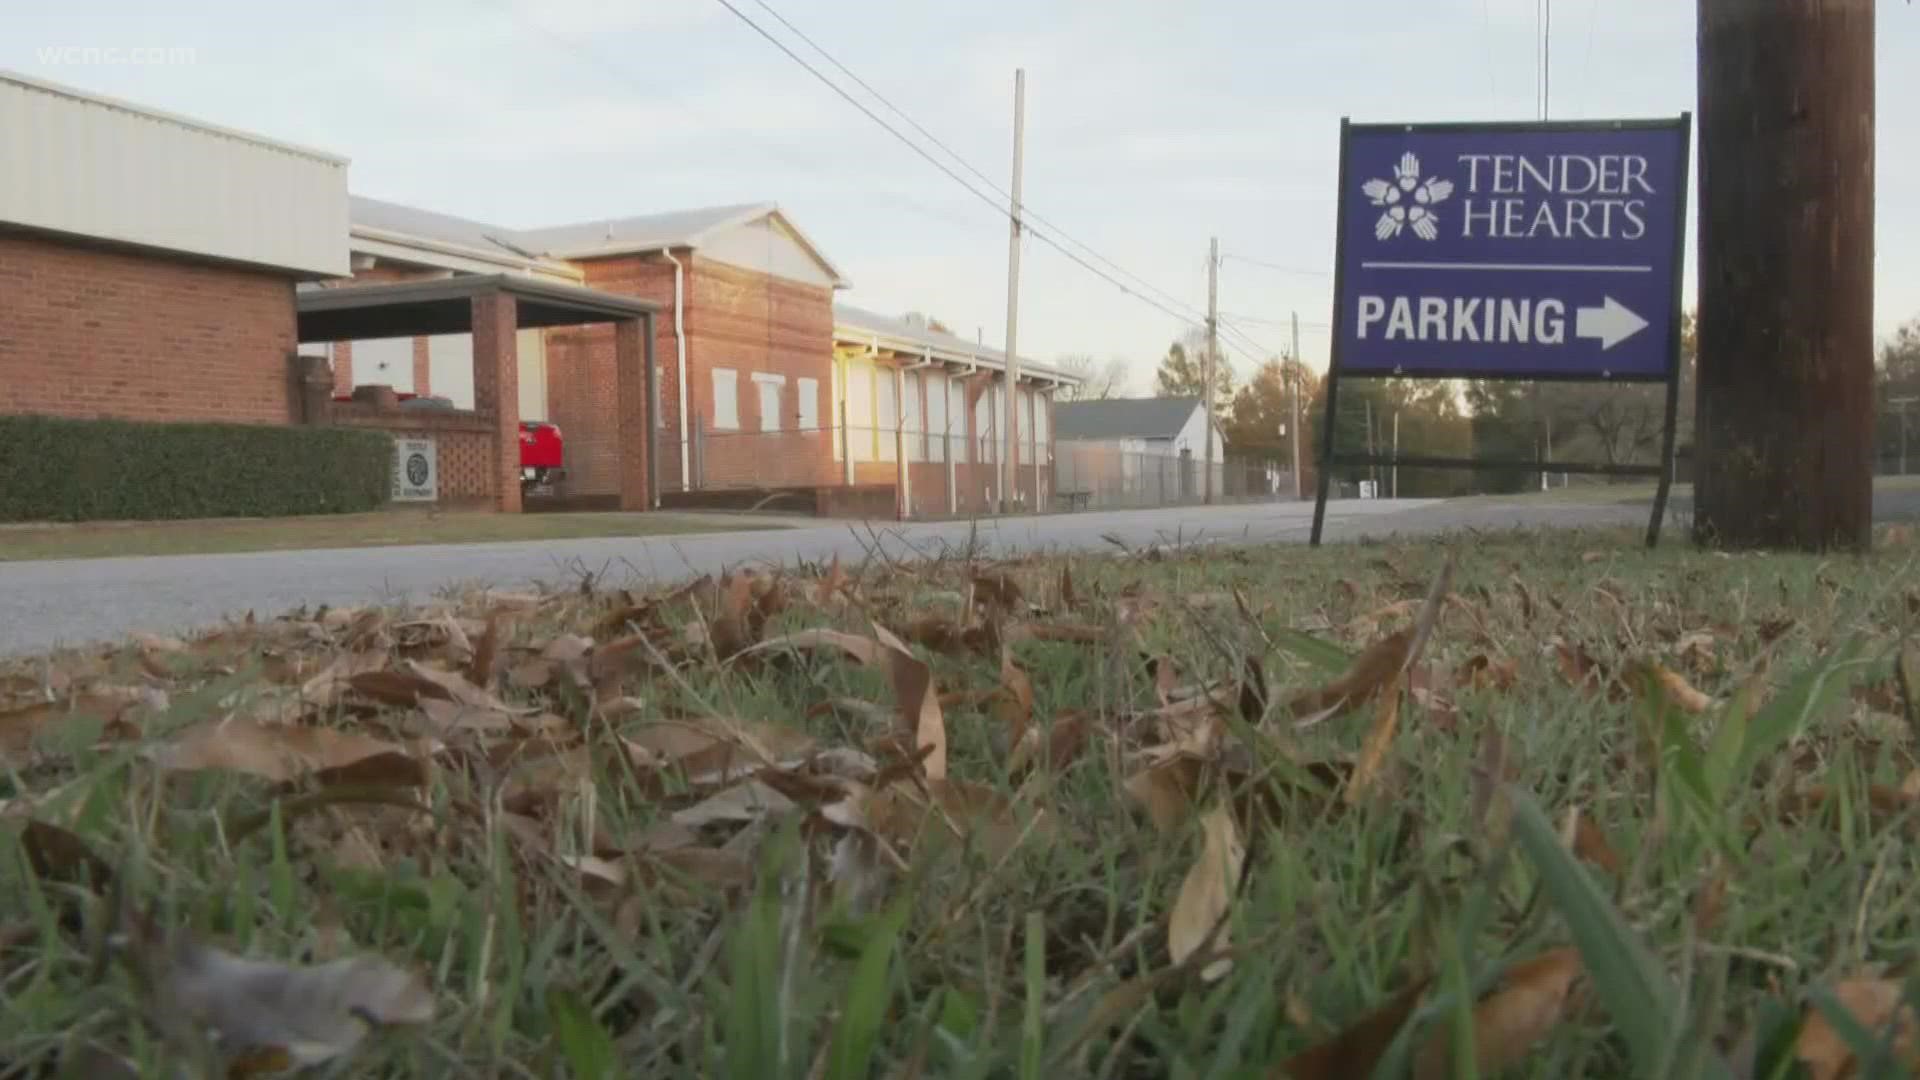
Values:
[(1521, 251)]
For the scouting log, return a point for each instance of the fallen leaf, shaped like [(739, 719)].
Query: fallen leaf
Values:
[(1382, 662), (1373, 753), (57, 854), (399, 689), (1166, 790), (457, 687), (956, 809), (486, 655), (863, 649), (1529, 1003), (1355, 1051), (1874, 1004), (1590, 843), (1482, 672), (1207, 892), (829, 587), (20, 728), (936, 633), (998, 590), (1013, 701), (1068, 598), (1067, 633), (1065, 738), (1677, 689), (311, 1014), (919, 703), (743, 802), (277, 752), (730, 629)]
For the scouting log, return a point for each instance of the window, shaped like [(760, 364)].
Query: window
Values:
[(809, 390), (985, 432), (860, 410), (916, 442), (936, 383), (1042, 433), (768, 388), (888, 400), (726, 401), (957, 420)]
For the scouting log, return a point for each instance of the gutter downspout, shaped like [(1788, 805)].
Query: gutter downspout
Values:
[(680, 349)]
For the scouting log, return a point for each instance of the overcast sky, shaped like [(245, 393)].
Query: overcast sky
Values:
[(1151, 125)]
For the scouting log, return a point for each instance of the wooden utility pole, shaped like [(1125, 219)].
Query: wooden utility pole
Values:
[(1007, 469), (1213, 351), (1784, 416), (1294, 371)]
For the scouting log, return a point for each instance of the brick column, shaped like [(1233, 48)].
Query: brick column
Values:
[(496, 390), (630, 361)]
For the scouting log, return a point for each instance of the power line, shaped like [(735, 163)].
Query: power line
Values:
[(1272, 322), (1027, 215), (1302, 271)]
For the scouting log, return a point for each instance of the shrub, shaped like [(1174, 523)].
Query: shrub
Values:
[(54, 469)]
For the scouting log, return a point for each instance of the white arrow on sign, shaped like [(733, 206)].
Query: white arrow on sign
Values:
[(1611, 322)]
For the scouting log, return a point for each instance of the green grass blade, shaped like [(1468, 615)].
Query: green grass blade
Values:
[(866, 1007), (583, 1041), (1813, 691), (1322, 654), (1031, 1040), (1643, 1002)]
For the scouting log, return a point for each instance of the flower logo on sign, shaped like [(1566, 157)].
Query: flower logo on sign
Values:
[(1407, 200)]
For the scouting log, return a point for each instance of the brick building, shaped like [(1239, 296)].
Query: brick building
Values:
[(107, 286), (743, 352)]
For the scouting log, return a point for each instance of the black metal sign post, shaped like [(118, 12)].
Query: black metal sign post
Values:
[(1548, 251)]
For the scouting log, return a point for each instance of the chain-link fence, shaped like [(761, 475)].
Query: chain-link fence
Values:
[(1095, 477)]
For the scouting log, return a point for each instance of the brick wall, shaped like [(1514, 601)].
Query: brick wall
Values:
[(95, 332), (735, 319), (464, 441)]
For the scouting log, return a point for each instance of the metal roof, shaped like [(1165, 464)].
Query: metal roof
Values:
[(445, 306), (174, 118), (1124, 418), (584, 239), (642, 232), (859, 324)]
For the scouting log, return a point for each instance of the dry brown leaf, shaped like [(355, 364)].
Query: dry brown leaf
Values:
[(919, 703), (1166, 790), (1373, 753), (1590, 843), (458, 688), (901, 813), (1677, 689), (325, 689), (730, 630), (716, 749), (277, 752), (1068, 598), (486, 655), (1875, 1004), (1065, 738), (828, 590), (998, 590), (157, 643), (1482, 672), (1356, 1050), (57, 854), (1069, 633), (1207, 892), (1013, 701), (864, 649), (21, 727), (400, 689), (1372, 670), (1530, 1002)]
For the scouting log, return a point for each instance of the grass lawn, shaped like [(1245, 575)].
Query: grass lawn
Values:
[(344, 531), (1542, 806)]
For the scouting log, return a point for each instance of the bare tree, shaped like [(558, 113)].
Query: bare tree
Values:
[(1098, 381)]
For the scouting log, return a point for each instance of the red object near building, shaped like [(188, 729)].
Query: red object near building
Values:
[(542, 453)]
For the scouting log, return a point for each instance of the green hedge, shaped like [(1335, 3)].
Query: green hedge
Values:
[(54, 469)]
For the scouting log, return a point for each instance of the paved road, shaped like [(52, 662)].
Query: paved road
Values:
[(70, 602)]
